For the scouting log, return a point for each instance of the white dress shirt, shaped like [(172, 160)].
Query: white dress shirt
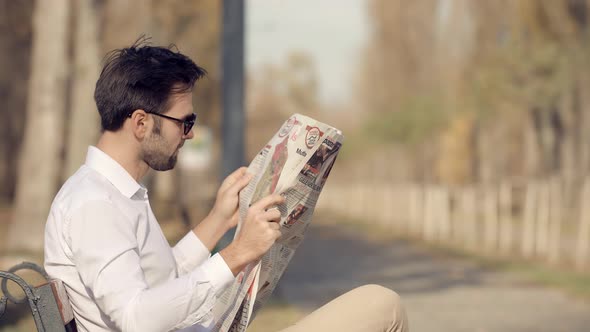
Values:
[(103, 241)]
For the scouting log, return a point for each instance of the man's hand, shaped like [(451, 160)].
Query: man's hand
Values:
[(224, 214), (225, 209), (259, 232)]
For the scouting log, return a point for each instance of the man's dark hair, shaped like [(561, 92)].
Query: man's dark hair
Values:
[(141, 77)]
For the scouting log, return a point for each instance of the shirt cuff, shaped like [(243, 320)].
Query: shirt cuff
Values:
[(190, 252), (220, 274)]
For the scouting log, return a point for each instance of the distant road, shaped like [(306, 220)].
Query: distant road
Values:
[(441, 293)]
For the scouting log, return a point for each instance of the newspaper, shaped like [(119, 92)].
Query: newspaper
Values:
[(295, 163)]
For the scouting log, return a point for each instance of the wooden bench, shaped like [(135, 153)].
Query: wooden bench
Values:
[(49, 303)]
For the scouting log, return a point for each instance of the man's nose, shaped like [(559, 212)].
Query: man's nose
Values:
[(190, 135)]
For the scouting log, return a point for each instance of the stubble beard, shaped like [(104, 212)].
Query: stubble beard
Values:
[(155, 153)]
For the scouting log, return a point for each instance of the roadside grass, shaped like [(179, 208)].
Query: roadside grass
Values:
[(575, 283), (562, 277)]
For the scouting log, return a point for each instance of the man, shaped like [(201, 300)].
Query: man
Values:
[(103, 241)]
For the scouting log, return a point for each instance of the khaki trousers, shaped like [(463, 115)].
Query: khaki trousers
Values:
[(369, 308)]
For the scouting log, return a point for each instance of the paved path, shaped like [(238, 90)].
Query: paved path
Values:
[(440, 293)]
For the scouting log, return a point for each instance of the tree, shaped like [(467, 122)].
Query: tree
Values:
[(83, 116), (15, 40), (512, 68), (41, 152)]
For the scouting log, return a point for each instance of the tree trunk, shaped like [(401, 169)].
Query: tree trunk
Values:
[(40, 156), (84, 119), (16, 36)]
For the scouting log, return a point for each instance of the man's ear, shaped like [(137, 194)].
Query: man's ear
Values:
[(140, 123)]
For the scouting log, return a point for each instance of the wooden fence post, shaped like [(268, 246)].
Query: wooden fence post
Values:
[(469, 214), (402, 194), (383, 202), (372, 199), (444, 229), (556, 218), (583, 245), (390, 207), (542, 231), (429, 214), (402, 210), (359, 201), (416, 201), (490, 218), (529, 220), (506, 220), (371, 193), (457, 216)]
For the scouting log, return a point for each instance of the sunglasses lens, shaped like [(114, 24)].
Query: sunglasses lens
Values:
[(189, 123)]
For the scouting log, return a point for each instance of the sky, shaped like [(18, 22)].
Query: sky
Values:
[(332, 32)]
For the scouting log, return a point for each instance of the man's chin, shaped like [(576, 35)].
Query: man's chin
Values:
[(162, 167), (171, 163)]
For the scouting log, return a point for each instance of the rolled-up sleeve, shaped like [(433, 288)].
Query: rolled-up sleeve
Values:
[(105, 251)]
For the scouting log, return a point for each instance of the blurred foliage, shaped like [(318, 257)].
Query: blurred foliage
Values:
[(274, 92), (194, 27), (513, 75), (418, 118), (519, 70)]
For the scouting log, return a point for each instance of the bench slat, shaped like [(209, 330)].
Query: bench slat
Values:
[(63, 303)]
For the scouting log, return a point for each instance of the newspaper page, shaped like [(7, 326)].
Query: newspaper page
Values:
[(295, 163)]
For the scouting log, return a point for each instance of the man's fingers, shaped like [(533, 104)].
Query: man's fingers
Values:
[(273, 215), (278, 234), (240, 184), (269, 201), (232, 178)]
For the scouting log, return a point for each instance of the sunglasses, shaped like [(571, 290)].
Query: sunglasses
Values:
[(187, 122)]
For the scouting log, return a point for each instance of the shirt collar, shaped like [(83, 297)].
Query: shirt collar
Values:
[(112, 171)]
